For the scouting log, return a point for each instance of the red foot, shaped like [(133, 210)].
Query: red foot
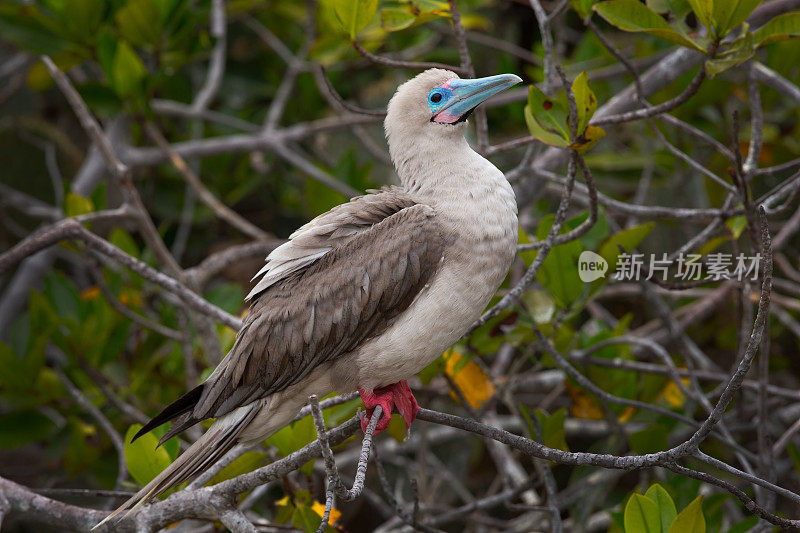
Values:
[(405, 402), (399, 394), (372, 399)]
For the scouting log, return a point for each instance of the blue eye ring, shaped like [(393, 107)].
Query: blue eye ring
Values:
[(438, 97)]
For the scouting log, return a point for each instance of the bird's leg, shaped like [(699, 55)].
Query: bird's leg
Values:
[(404, 401), (396, 395), (373, 398)]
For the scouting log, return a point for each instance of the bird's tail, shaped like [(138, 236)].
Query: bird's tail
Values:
[(209, 448)]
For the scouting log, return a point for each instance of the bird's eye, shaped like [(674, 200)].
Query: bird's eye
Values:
[(436, 98)]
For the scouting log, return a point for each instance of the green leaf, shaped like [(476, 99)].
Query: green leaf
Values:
[(691, 519), (585, 101), (172, 446), (100, 98), (733, 57), (431, 7), (744, 526), (63, 295), (247, 462), (782, 27), (649, 440), (546, 118), (105, 51), (736, 225), (583, 7), (123, 240), (794, 453), (396, 18), (526, 414), (10, 367), (82, 19), (26, 26), (21, 427), (75, 204), (714, 511), (529, 255), (616, 524), (127, 71), (552, 426), (432, 370), (82, 451), (144, 460), (354, 15), (305, 519), (338, 414), (659, 6), (397, 427), (631, 15), (677, 8), (559, 272), (666, 507), (642, 515), (282, 440), (284, 510), (139, 22), (628, 238), (228, 296), (293, 437), (704, 11), (44, 320), (39, 78), (728, 14), (22, 363)]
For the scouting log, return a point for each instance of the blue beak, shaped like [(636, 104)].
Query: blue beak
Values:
[(464, 95)]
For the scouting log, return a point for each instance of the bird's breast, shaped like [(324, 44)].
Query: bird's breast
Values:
[(481, 234)]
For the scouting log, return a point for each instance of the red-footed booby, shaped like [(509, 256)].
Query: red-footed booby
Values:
[(369, 293)]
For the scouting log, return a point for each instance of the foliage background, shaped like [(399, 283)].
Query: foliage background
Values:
[(83, 359)]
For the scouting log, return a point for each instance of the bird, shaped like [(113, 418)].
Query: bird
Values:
[(364, 296)]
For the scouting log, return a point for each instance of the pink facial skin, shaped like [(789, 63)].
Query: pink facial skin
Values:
[(445, 117)]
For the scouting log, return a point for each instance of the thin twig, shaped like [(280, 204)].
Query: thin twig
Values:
[(330, 465), (71, 229), (116, 439), (396, 63), (206, 196)]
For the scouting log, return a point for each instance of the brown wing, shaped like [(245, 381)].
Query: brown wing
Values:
[(327, 231), (316, 314)]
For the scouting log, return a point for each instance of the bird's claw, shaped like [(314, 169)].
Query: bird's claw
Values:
[(372, 399), (405, 402), (397, 395)]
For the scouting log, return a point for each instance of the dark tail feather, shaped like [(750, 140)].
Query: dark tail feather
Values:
[(208, 449), (179, 407)]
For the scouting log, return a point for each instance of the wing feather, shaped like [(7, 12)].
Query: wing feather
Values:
[(341, 279), (332, 305), (317, 238)]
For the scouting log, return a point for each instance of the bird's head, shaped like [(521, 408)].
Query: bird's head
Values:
[(437, 103), (438, 98)]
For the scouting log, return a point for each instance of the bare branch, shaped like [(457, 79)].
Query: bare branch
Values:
[(236, 521), (207, 197), (71, 229), (336, 100), (388, 62)]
